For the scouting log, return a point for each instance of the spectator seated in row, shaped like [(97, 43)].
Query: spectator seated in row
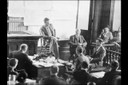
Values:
[(109, 77), (11, 68), (82, 76), (106, 35), (53, 79)]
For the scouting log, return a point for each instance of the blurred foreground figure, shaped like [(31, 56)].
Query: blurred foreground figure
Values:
[(48, 31), (24, 62), (53, 79)]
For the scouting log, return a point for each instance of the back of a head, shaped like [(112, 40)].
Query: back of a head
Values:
[(114, 65), (21, 76), (24, 47), (54, 69), (84, 65), (91, 83), (13, 62), (79, 50)]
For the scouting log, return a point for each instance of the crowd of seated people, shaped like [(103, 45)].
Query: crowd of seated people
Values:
[(19, 63)]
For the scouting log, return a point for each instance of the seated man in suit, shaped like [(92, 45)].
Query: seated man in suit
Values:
[(82, 76), (99, 54), (76, 40), (47, 30), (106, 35), (53, 79), (24, 61)]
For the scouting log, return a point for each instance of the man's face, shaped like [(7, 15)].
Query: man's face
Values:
[(47, 22), (106, 30), (78, 32)]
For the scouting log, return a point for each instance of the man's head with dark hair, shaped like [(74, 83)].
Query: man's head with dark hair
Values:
[(79, 50), (114, 65), (54, 70), (24, 48), (46, 21), (84, 65), (13, 62)]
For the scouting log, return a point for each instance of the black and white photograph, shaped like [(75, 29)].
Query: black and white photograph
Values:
[(64, 42)]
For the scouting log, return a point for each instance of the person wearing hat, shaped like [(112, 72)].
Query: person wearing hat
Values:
[(99, 54), (106, 35), (48, 31)]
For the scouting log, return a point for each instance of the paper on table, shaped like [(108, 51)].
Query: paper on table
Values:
[(98, 74)]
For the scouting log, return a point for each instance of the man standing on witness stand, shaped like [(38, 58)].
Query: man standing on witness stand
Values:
[(47, 30)]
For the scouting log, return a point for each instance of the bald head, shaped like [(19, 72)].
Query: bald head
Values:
[(24, 48)]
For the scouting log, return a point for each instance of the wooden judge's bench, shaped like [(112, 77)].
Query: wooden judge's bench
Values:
[(19, 34)]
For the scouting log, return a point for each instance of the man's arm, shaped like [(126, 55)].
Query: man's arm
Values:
[(42, 31), (111, 36), (84, 41), (71, 41), (54, 31)]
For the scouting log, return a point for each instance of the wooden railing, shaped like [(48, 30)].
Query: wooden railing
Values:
[(111, 56), (112, 53)]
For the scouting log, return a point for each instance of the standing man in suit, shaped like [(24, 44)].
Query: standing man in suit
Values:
[(47, 30), (24, 61), (76, 40)]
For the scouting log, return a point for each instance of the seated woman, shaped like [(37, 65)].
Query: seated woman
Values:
[(106, 35), (13, 62), (99, 54)]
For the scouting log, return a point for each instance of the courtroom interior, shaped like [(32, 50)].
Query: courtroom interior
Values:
[(64, 42)]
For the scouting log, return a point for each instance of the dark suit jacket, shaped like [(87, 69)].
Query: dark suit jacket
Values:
[(110, 76), (54, 80), (23, 59), (83, 77), (24, 63), (74, 42)]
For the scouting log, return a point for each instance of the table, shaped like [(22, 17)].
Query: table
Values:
[(44, 68)]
